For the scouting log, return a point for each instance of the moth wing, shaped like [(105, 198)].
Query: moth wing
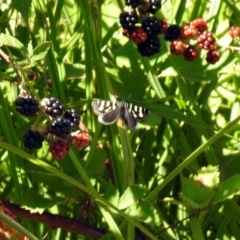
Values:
[(139, 113), (128, 118), (109, 117), (101, 107)]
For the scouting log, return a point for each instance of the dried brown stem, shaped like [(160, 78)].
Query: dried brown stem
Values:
[(56, 221)]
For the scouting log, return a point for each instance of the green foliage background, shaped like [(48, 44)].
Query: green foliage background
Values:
[(177, 176)]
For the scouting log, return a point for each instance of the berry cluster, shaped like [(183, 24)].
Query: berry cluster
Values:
[(141, 27), (61, 129), (197, 29)]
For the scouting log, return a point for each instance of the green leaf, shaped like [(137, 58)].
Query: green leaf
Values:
[(11, 41), (208, 176), (112, 194), (36, 202), (195, 194), (144, 212), (228, 189), (130, 196), (40, 52)]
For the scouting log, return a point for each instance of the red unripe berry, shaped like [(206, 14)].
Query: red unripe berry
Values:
[(190, 53), (138, 35), (234, 31), (188, 31), (200, 24), (213, 56), (206, 40), (59, 149), (163, 26), (81, 140), (177, 47)]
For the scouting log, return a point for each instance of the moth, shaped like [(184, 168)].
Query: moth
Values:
[(109, 112)]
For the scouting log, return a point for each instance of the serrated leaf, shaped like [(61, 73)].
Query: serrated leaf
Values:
[(40, 52), (144, 212), (36, 202), (228, 189), (208, 176), (11, 41), (130, 196), (195, 194)]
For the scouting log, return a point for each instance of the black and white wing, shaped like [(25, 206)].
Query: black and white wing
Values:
[(107, 112), (138, 112), (131, 114), (128, 117)]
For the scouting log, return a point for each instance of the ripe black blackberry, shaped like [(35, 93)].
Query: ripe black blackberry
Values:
[(155, 5), (54, 108), (61, 127), (150, 46), (151, 25), (27, 106), (172, 33), (73, 117), (32, 139), (133, 3), (128, 20)]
